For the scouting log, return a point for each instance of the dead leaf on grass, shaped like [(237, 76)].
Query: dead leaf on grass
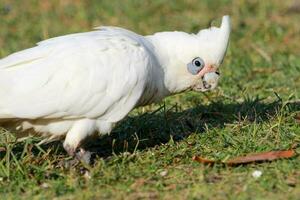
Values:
[(203, 160), (251, 158), (2, 149), (297, 118), (138, 183), (259, 157)]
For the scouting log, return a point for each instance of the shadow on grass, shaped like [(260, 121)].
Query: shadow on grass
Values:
[(150, 129), (158, 127)]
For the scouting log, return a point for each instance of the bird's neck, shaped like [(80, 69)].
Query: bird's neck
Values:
[(163, 48), (155, 89)]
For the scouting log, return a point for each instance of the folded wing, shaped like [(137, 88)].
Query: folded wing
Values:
[(99, 74)]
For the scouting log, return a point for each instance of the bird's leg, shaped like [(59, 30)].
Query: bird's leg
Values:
[(80, 130)]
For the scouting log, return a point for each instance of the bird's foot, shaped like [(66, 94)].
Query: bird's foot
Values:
[(80, 155), (70, 150), (84, 156)]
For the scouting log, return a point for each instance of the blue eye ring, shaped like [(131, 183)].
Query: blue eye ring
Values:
[(195, 66)]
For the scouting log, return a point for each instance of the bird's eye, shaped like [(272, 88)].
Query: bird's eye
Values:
[(198, 62), (195, 66)]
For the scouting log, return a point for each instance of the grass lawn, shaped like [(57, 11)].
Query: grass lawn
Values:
[(149, 155)]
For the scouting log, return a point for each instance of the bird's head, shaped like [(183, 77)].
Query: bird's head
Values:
[(191, 61)]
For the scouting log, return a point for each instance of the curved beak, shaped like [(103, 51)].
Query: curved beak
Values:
[(206, 69)]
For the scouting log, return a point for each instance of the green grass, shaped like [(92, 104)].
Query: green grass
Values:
[(148, 156)]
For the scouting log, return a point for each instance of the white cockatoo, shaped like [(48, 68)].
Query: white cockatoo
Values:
[(76, 85)]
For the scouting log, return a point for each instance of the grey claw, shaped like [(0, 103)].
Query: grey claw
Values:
[(84, 156)]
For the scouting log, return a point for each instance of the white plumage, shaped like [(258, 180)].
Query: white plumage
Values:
[(80, 84)]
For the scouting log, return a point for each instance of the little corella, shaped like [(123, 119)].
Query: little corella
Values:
[(73, 86)]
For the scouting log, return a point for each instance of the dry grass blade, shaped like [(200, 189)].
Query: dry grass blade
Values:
[(262, 53)]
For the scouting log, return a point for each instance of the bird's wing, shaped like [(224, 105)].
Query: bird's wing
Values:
[(99, 74)]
